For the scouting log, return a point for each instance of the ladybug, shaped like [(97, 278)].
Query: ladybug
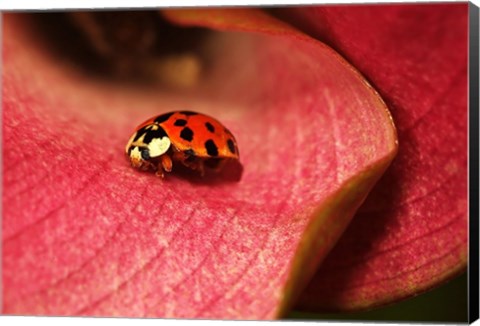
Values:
[(193, 139)]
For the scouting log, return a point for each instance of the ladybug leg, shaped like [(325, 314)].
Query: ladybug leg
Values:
[(215, 164), (201, 168), (219, 166), (159, 173), (190, 161), (164, 165), (178, 156)]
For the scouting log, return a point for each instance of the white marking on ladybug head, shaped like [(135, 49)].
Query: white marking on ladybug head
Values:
[(159, 146), (136, 157)]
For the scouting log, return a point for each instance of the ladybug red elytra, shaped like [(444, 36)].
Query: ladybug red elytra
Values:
[(193, 139)]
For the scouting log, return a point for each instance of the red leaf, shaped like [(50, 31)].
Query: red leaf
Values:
[(411, 234), (85, 234)]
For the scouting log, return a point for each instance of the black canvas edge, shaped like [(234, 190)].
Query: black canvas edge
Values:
[(473, 261)]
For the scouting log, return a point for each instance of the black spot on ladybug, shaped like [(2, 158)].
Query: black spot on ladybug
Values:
[(180, 122), (145, 154), (231, 146), (163, 117), (212, 149), (188, 112), (187, 134), (190, 155), (210, 127), (151, 134)]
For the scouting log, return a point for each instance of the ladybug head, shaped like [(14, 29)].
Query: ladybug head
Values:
[(148, 147)]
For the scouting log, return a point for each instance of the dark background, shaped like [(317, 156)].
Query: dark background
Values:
[(447, 303)]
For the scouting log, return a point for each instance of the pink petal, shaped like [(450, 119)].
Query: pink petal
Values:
[(85, 234), (411, 234)]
